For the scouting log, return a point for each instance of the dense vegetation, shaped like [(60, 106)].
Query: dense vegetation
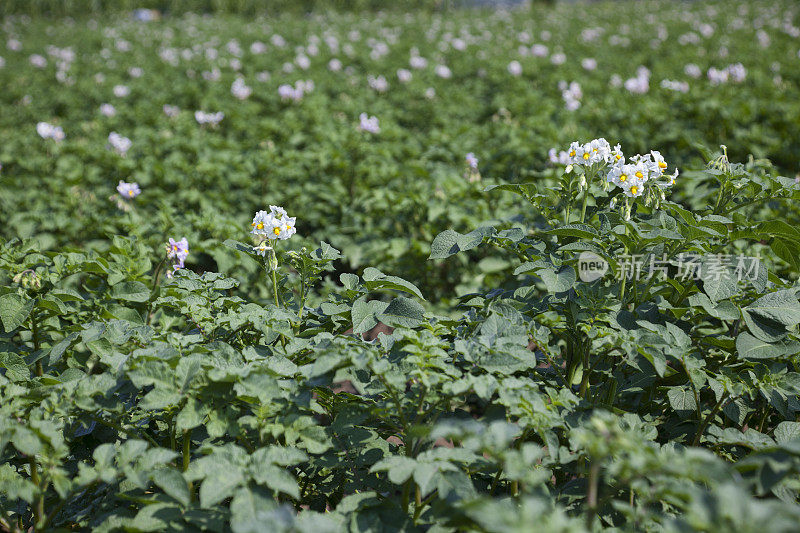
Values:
[(415, 342)]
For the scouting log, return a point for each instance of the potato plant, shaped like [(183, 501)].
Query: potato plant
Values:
[(480, 315)]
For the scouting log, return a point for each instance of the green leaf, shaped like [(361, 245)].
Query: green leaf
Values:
[(375, 279), (131, 291), (787, 431), (403, 312), (276, 478), (364, 314), (581, 231), (14, 309), (558, 280), (398, 467), (445, 244), (682, 400), (252, 511), (780, 306), (173, 483), (16, 367), (749, 347)]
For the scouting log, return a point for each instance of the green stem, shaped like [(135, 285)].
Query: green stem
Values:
[(275, 286), (187, 449), (583, 207), (38, 505), (406, 491), (417, 503), (156, 276), (35, 332), (707, 420)]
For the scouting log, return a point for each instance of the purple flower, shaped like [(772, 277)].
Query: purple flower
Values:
[(128, 190), (178, 250), (472, 161)]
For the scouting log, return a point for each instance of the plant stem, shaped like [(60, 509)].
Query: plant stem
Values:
[(35, 332), (187, 448), (707, 420), (583, 207), (38, 506), (417, 503), (152, 290), (275, 287)]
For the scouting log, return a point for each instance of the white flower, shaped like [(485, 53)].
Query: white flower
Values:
[(275, 224), (443, 71), (678, 86), (403, 75), (108, 110), (737, 72), (692, 70), (48, 131), (240, 90), (716, 76), (589, 63), (334, 65), (558, 157), (430, 93), (38, 61), (208, 118), (418, 62), (368, 124), (121, 91), (119, 143), (472, 161), (262, 248), (262, 223), (539, 50), (171, 110), (514, 68), (378, 84), (658, 165)]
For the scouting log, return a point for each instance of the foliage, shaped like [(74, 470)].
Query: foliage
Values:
[(304, 390)]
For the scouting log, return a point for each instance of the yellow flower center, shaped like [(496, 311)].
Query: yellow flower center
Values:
[(662, 164), (260, 225), (572, 153), (586, 155), (277, 231), (634, 189), (623, 177), (175, 248), (618, 157), (130, 192), (639, 175)]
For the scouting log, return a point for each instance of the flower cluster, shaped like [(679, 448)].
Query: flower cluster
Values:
[(472, 174), (119, 143), (177, 251), (368, 123), (637, 176), (572, 94), (271, 225), (128, 190), (48, 131), (209, 118), (736, 72), (296, 93), (240, 89)]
